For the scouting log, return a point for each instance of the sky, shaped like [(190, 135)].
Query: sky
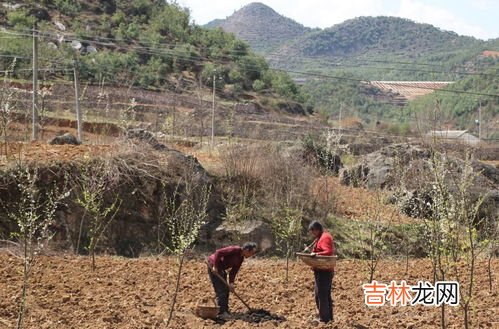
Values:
[(478, 18)]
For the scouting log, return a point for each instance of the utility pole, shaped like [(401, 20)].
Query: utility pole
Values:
[(35, 118), (79, 120), (213, 113), (341, 113), (480, 120)]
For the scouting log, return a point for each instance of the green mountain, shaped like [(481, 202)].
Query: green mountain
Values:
[(376, 48), (261, 26), (379, 35)]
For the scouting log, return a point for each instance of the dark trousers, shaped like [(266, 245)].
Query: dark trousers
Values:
[(323, 299), (221, 291)]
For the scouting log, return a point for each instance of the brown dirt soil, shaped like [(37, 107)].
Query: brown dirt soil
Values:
[(42, 152), (135, 293)]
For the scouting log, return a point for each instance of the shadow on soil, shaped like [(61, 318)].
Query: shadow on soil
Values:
[(254, 316)]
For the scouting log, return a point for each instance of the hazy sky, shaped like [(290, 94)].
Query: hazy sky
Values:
[(478, 18)]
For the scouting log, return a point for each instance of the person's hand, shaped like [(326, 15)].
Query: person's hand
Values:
[(214, 269), (231, 287), (313, 254)]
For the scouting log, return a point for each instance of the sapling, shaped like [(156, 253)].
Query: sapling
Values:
[(184, 212), (34, 213), (93, 183), (287, 228), (440, 228), (452, 227), (465, 212), (372, 233)]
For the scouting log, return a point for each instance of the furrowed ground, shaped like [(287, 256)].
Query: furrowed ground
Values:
[(135, 293)]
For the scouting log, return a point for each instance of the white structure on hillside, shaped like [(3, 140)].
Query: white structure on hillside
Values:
[(462, 136)]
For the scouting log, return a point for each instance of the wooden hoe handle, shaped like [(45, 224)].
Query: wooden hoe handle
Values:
[(228, 286)]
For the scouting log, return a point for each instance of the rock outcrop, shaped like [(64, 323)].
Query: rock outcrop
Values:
[(405, 169), (235, 233), (66, 139)]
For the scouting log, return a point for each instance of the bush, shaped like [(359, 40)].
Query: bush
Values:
[(20, 19), (68, 7), (258, 85)]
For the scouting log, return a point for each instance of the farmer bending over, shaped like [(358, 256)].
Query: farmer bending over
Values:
[(323, 278), (228, 258)]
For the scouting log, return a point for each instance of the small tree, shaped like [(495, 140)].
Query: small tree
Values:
[(452, 228), (184, 212), (372, 233), (465, 212), (373, 243), (128, 116), (287, 228), (7, 104), (409, 238), (92, 184), (34, 213), (439, 228)]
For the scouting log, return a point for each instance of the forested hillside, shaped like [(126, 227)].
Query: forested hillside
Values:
[(146, 43), (378, 35), (376, 48), (350, 97), (462, 110)]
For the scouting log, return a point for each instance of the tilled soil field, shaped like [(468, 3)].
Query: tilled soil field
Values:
[(135, 293)]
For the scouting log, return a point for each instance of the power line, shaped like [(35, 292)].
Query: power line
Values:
[(195, 59), (394, 84), (238, 52)]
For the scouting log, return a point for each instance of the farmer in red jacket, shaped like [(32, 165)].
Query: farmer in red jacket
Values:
[(324, 246), (228, 258)]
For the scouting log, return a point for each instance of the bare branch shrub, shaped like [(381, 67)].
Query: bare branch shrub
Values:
[(241, 183), (325, 153)]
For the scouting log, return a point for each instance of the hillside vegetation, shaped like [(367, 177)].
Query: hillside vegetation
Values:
[(375, 48), (351, 98), (379, 35), (461, 110), (145, 43)]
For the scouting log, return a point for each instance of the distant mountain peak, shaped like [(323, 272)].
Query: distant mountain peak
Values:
[(254, 6), (261, 26)]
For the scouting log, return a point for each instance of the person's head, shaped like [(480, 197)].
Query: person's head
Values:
[(315, 229), (249, 249)]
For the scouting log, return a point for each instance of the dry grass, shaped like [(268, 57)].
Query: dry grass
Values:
[(352, 203)]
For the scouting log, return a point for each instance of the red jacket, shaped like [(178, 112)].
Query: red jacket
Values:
[(228, 258), (325, 245)]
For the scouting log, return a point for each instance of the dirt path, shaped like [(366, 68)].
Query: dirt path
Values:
[(134, 293)]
